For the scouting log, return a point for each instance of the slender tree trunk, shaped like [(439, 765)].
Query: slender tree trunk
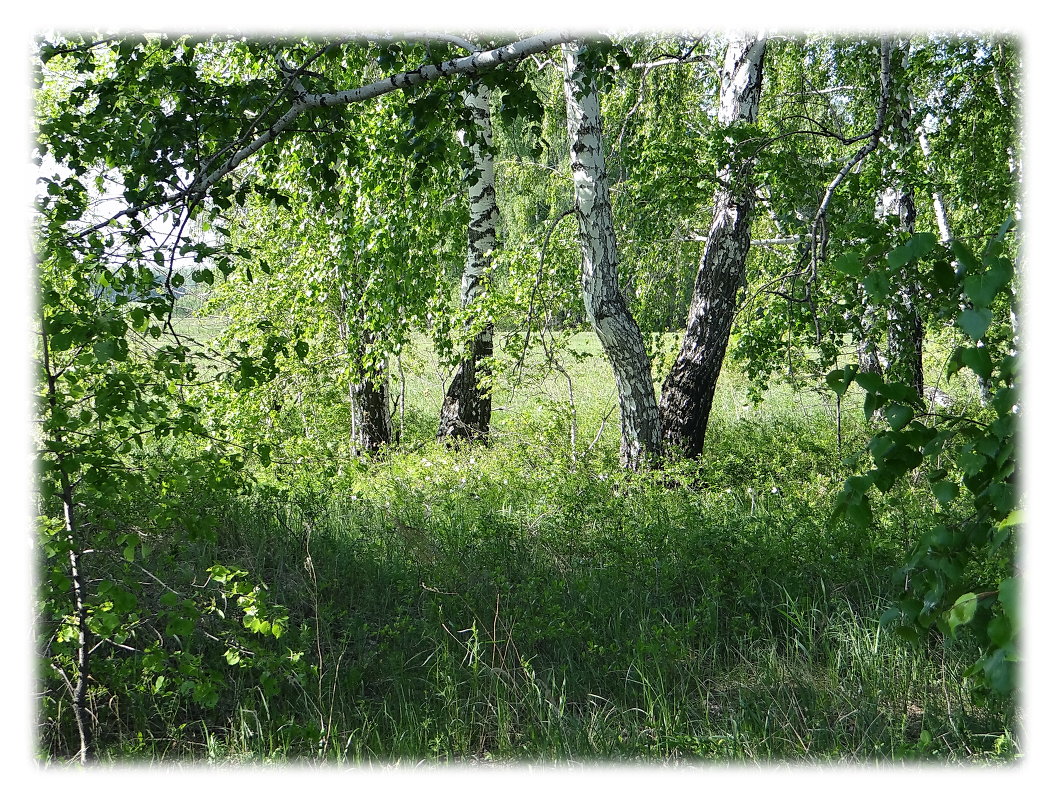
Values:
[(939, 205), (605, 305), (905, 329), (466, 412), (689, 389), (79, 687)]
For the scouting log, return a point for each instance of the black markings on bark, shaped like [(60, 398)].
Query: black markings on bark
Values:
[(605, 305), (466, 411), (689, 389), (372, 426)]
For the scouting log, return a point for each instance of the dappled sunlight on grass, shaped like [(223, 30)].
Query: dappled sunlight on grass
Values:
[(529, 601)]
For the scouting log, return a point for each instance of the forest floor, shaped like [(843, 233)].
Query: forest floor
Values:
[(527, 601)]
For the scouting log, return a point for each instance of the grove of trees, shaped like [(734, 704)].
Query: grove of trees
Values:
[(825, 212)]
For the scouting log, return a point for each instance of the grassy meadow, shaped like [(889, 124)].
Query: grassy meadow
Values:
[(527, 601)]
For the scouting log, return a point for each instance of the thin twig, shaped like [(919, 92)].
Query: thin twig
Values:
[(532, 296)]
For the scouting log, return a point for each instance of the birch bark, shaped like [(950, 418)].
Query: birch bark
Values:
[(905, 330), (467, 408), (689, 389), (372, 422), (939, 205), (79, 687), (370, 418), (606, 307)]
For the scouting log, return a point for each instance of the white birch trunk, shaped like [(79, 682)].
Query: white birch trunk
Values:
[(467, 408), (605, 305), (939, 206), (905, 330)]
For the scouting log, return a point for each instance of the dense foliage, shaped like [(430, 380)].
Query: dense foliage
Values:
[(222, 284)]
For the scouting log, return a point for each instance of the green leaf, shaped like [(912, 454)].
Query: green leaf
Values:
[(105, 350), (892, 614), (974, 322), (943, 275), (1014, 518), (840, 380), (871, 382), (1000, 631), (877, 285), (945, 491), (60, 341), (898, 415), (849, 264), (1009, 596), (965, 257), (997, 670), (978, 360), (982, 289), (917, 246)]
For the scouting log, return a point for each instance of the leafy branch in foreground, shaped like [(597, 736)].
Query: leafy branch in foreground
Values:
[(969, 464)]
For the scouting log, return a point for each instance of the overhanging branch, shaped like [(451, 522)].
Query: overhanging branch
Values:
[(466, 65), (303, 101)]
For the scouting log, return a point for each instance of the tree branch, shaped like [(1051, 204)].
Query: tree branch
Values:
[(304, 101)]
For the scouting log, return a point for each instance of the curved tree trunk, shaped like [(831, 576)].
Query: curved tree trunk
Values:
[(689, 389), (605, 305), (466, 412)]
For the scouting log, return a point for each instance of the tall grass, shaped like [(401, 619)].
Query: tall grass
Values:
[(528, 601)]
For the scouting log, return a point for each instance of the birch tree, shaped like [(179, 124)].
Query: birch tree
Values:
[(607, 310), (467, 407), (686, 397), (905, 338)]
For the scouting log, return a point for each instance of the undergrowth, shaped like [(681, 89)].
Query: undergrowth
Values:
[(524, 601)]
